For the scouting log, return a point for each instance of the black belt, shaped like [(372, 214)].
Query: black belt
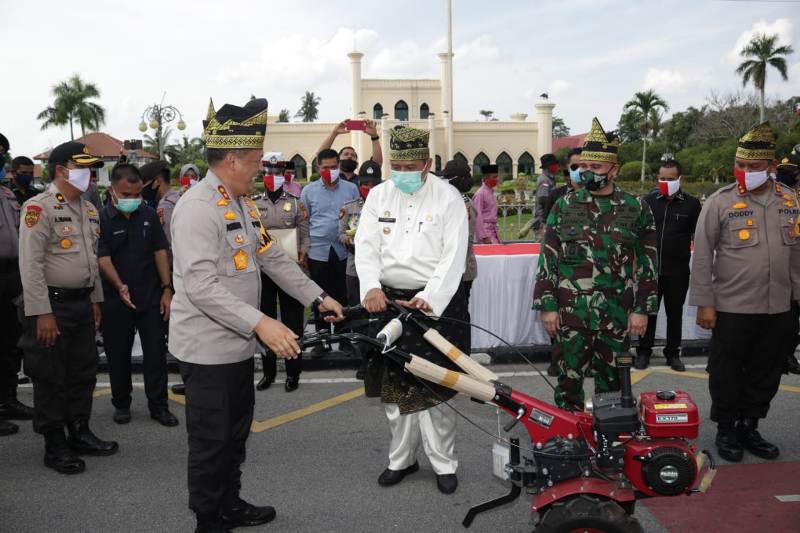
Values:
[(7, 263), (64, 295)]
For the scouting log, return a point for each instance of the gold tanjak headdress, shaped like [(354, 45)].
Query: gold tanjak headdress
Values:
[(236, 128), (599, 145), (408, 144), (757, 144)]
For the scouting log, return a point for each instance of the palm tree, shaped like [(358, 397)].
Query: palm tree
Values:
[(153, 143), (486, 114), (762, 51), (186, 151), (309, 107), (72, 102), (643, 104), (283, 116)]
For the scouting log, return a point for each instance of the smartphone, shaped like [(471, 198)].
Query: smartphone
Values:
[(355, 125)]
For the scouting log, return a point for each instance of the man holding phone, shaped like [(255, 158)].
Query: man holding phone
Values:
[(348, 158)]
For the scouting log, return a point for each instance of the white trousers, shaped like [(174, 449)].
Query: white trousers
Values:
[(436, 427)]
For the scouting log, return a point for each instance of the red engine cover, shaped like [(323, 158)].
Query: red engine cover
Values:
[(669, 418)]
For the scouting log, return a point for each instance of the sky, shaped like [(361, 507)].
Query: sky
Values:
[(591, 56)]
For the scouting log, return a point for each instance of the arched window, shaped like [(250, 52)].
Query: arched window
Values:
[(401, 110), (458, 156), (480, 159), (377, 111), (526, 164), (424, 111), (300, 167), (504, 165), (438, 163)]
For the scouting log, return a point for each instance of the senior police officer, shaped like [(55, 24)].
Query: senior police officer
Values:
[(62, 294), (599, 244), (219, 246), (745, 274), (788, 173), (411, 246), (284, 217)]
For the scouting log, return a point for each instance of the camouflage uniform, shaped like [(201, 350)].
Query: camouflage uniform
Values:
[(595, 249)]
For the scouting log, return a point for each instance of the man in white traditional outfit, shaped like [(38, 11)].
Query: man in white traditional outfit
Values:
[(411, 247)]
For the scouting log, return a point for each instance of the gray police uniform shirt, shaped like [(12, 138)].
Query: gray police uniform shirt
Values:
[(349, 216), (746, 253), (165, 208), (544, 183), (219, 245), (285, 213), (471, 271), (9, 224), (57, 248)]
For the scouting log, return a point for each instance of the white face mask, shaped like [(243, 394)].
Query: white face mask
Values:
[(79, 178), (669, 188), (751, 180)]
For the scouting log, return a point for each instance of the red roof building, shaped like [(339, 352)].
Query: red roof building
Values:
[(573, 141), (106, 147)]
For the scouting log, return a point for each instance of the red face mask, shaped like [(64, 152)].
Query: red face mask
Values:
[(491, 183), (273, 182), (288, 175), (552, 168), (329, 176), (364, 190)]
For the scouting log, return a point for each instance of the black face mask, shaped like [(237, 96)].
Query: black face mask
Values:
[(462, 183), (787, 176), (149, 193), (348, 165)]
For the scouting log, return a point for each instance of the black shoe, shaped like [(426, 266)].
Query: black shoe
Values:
[(291, 384), (179, 389), (318, 352), (58, 456), (553, 370), (793, 365), (7, 428), (447, 483), (393, 477), (728, 445), (210, 524), (265, 382), (360, 373), (84, 442), (164, 417), (676, 364), (642, 361), (244, 514), (15, 410), (122, 416), (753, 442)]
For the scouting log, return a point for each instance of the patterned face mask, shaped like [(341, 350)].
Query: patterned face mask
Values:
[(594, 181)]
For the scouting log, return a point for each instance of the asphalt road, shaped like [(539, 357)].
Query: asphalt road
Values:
[(316, 457)]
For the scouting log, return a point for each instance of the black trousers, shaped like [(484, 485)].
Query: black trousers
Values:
[(10, 355), (330, 275), (292, 316), (63, 375), (120, 324), (748, 356), (219, 411), (673, 290), (353, 290)]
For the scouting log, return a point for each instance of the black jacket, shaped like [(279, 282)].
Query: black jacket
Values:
[(676, 219)]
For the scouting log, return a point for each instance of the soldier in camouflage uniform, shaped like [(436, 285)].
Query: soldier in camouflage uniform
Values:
[(596, 280)]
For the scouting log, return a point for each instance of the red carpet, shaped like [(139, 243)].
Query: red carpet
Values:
[(740, 499), (523, 248)]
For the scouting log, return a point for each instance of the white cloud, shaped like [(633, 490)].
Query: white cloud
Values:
[(665, 80), (782, 27), (560, 88)]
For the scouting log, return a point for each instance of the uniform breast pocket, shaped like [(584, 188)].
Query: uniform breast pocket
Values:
[(573, 252), (789, 231), (743, 233), (65, 239), (241, 257)]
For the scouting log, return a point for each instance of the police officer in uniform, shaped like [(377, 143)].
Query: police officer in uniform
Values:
[(62, 295), (599, 243), (10, 289), (284, 216), (745, 275), (219, 247), (788, 173)]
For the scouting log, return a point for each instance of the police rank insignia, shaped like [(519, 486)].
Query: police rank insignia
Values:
[(739, 205), (160, 212), (749, 222), (224, 193), (287, 206), (254, 214), (744, 234), (240, 260), (32, 215), (222, 202), (92, 213), (229, 215), (65, 244), (60, 197)]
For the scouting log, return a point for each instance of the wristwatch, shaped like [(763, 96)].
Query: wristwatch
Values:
[(321, 298), (375, 138), (167, 286)]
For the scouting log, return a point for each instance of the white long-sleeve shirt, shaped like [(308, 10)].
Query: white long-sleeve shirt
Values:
[(408, 241)]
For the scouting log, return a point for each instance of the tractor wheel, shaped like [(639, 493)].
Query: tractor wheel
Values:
[(587, 514)]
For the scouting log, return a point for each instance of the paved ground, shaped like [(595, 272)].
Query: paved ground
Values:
[(316, 453)]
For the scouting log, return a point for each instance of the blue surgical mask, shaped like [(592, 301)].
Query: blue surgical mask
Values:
[(23, 180), (408, 182), (128, 205), (575, 176)]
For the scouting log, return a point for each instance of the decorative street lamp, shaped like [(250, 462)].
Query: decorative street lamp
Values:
[(156, 116)]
